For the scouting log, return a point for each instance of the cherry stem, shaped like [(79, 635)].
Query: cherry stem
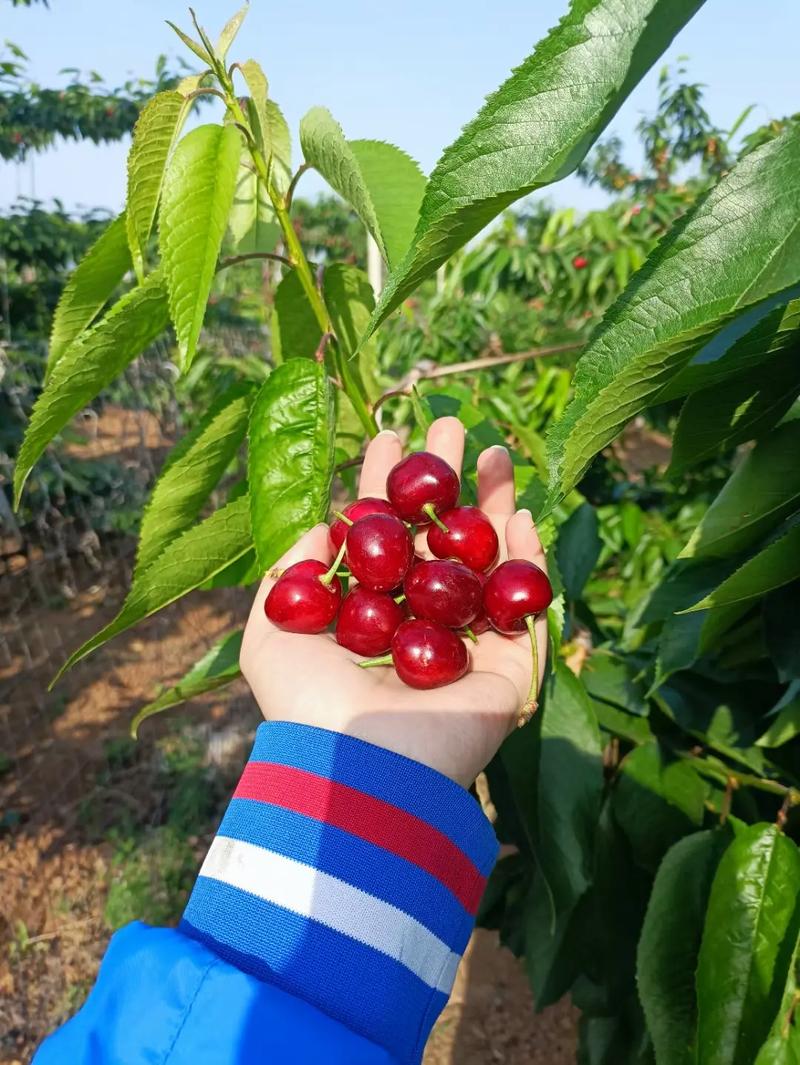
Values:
[(381, 660), (400, 598), (532, 702), (326, 578), (429, 510), (470, 634), (342, 517)]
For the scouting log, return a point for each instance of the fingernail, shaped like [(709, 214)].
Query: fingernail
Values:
[(526, 512), (386, 432)]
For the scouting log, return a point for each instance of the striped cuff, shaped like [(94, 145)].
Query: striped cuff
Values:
[(347, 875)]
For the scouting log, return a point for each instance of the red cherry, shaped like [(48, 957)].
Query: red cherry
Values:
[(421, 484), (443, 591), (360, 508), (516, 590), (427, 655), (470, 537), (580, 262), (367, 621), (379, 551), (481, 622), (300, 601)]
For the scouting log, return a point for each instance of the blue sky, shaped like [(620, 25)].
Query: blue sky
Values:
[(412, 73)]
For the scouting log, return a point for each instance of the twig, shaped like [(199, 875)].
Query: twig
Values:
[(235, 259), (349, 464), (486, 362), (293, 183)]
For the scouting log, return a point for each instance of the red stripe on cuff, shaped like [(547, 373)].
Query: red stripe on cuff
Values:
[(371, 819)]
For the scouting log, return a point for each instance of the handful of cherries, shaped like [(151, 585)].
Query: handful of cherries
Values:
[(405, 611)]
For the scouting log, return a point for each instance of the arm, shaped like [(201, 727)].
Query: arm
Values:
[(331, 911)]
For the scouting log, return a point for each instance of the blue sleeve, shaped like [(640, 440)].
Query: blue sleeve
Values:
[(326, 924)]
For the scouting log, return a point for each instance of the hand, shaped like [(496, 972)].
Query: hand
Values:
[(455, 729)]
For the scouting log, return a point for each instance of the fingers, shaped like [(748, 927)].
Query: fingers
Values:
[(523, 541), (313, 544), (446, 439), (383, 452), (496, 481)]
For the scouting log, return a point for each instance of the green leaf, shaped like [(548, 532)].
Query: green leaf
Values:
[(185, 563), (775, 331), (396, 186), (578, 549), (670, 943), (191, 471), (252, 221), (193, 46), (270, 128), (199, 186), (229, 31), (91, 363), (536, 127), (762, 491), (89, 288), (656, 802), (782, 629), (776, 565), (218, 666), (680, 298), (743, 964), (570, 786), (785, 726), (291, 456), (295, 330), (350, 301), (783, 1043), (154, 135), (741, 409), (381, 183)]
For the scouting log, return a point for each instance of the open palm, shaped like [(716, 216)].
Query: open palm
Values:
[(312, 680)]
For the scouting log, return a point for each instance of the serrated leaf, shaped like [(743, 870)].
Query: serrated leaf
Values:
[(762, 491), (536, 127), (396, 186), (578, 549), (91, 363), (670, 943), (776, 565), (657, 800), (290, 456), (742, 408), (218, 667), (184, 564), (742, 966), (349, 300), (229, 31), (154, 136), (271, 130), (570, 785), (199, 186), (680, 298), (717, 361), (191, 44), (381, 183), (90, 286), (191, 472), (783, 1043), (252, 221), (295, 330)]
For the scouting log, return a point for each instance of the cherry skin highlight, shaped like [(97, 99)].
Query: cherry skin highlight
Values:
[(379, 551), (515, 590), (470, 537), (368, 621), (300, 602), (359, 508), (427, 655), (422, 483), (443, 591)]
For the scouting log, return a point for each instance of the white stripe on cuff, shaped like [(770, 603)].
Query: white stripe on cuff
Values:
[(311, 893)]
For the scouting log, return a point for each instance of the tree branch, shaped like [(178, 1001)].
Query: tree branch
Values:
[(235, 259)]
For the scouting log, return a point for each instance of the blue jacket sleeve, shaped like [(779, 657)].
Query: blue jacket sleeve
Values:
[(326, 924)]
